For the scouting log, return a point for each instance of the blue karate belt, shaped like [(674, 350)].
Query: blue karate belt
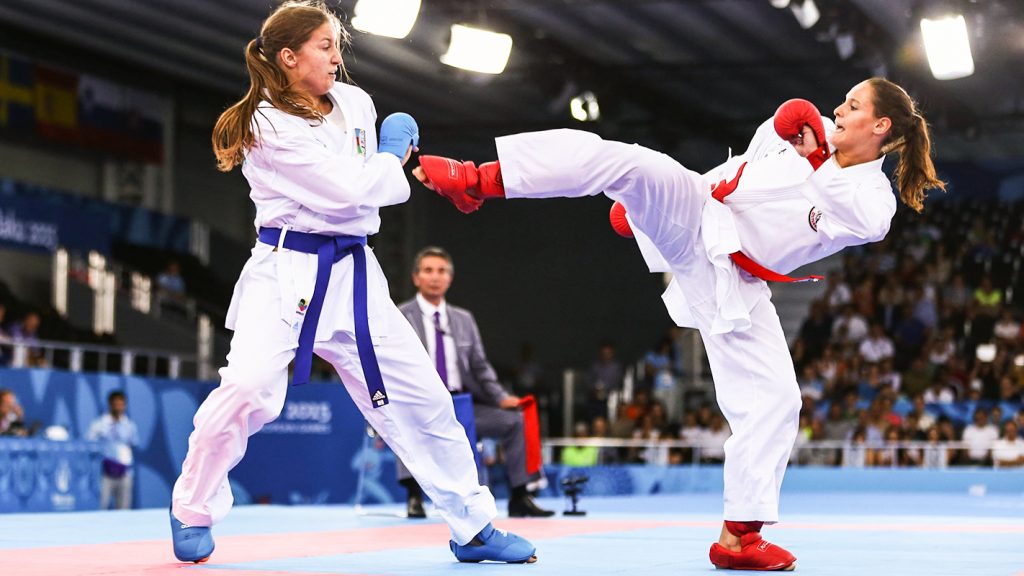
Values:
[(328, 250)]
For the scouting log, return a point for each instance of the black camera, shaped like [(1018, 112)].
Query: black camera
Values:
[(573, 487)]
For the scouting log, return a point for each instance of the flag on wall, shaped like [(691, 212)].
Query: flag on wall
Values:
[(78, 109)]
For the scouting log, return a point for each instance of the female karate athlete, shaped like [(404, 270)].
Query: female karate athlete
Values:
[(795, 196), (307, 146)]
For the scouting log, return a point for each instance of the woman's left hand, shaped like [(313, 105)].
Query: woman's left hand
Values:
[(806, 142), (399, 135)]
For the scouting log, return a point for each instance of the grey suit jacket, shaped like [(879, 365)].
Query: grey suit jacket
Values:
[(477, 374)]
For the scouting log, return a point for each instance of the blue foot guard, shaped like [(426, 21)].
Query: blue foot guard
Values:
[(497, 546)]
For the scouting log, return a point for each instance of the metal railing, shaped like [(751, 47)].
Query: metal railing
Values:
[(78, 357), (848, 453)]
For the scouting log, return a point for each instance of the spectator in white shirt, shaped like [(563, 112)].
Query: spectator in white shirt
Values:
[(1008, 451), (979, 437), (839, 293), (853, 324), (1007, 328), (877, 346), (713, 440)]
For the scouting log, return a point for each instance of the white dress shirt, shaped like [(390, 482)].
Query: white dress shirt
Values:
[(450, 353)]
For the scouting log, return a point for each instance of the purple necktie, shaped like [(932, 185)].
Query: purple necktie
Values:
[(442, 365)]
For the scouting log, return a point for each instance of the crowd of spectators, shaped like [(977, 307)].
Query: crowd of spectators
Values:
[(916, 338), (24, 331)]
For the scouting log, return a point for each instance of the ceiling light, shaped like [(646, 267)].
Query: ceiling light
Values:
[(585, 108), (478, 50), (947, 46), (391, 18), (806, 13), (780, 4)]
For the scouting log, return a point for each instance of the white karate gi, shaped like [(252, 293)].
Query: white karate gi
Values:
[(328, 180), (782, 214)]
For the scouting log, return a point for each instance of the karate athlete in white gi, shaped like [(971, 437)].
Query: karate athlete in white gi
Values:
[(307, 146), (792, 198)]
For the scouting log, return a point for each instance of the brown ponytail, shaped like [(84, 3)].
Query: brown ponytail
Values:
[(915, 171), (289, 26)]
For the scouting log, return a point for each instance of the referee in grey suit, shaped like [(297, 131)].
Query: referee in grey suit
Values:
[(453, 341)]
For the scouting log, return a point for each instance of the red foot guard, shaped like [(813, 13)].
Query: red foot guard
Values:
[(756, 553)]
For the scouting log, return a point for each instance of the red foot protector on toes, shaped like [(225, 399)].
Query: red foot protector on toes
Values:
[(756, 554)]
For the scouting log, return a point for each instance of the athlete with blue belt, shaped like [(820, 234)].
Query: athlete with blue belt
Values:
[(307, 147)]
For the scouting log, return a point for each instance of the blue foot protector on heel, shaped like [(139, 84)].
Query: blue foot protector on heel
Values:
[(497, 546), (191, 543)]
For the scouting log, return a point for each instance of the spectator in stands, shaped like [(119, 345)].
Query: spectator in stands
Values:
[(889, 454), (984, 381), (811, 385), (912, 427), (939, 392), (956, 293), (170, 282), (850, 327), (120, 436), (623, 425), (1019, 421), (659, 419), (1009, 390), (851, 405), (1008, 451), (918, 377), (889, 378), (452, 340), (890, 300), (979, 437), (12, 417), (925, 310), (170, 289), (26, 333), (877, 346), (605, 454), (828, 365), (908, 336), (935, 454), (606, 376), (713, 440), (836, 427), (4, 336), (648, 430), (580, 456), (639, 406), (816, 330), (658, 365), (838, 292), (996, 416), (690, 428), (942, 347), (870, 426), (1007, 329), (925, 419), (946, 429), (857, 453), (987, 298)]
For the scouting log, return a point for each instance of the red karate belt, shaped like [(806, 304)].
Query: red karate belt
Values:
[(531, 431), (719, 192)]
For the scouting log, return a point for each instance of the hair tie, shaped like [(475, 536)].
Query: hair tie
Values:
[(259, 43)]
